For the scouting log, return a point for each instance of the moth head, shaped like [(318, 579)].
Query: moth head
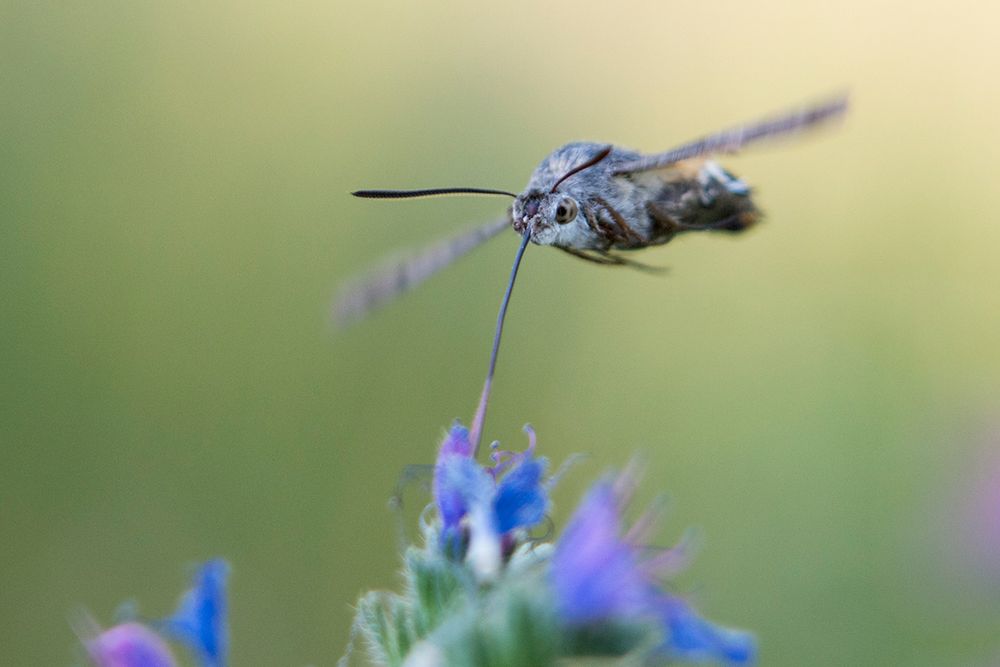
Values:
[(553, 217), (545, 215)]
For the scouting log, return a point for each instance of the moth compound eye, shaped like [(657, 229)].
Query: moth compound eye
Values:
[(565, 211)]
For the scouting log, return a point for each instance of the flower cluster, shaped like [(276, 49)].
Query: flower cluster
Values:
[(482, 508), (199, 624), (480, 591)]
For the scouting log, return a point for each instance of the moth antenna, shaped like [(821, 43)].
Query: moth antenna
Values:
[(476, 431), (396, 275), (605, 152), (432, 192)]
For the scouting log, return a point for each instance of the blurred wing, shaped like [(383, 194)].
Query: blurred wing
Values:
[(731, 140), (396, 275)]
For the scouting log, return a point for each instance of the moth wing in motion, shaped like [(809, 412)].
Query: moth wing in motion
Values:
[(735, 138), (397, 275)]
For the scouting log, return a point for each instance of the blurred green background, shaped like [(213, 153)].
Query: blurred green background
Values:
[(817, 395)]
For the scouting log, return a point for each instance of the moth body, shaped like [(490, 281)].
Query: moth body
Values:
[(597, 209)]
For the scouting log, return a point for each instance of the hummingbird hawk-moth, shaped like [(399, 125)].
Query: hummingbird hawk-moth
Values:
[(598, 202)]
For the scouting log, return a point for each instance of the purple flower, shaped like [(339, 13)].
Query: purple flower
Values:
[(596, 575), (200, 620), (485, 504), (602, 574), (129, 645), (459, 483)]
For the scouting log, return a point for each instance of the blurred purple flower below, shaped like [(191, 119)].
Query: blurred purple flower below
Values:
[(129, 645), (480, 506), (199, 623), (600, 574)]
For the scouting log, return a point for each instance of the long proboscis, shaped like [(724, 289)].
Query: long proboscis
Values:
[(397, 275), (476, 432), (733, 139)]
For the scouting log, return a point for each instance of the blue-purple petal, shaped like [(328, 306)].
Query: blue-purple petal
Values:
[(691, 637), (459, 483), (129, 645), (456, 443), (521, 500), (201, 618), (595, 574)]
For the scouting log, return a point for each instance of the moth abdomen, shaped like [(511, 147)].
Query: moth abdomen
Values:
[(704, 198)]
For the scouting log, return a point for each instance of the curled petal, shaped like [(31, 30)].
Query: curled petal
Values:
[(503, 459)]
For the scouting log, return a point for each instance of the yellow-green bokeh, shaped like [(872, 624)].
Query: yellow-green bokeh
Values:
[(174, 222)]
